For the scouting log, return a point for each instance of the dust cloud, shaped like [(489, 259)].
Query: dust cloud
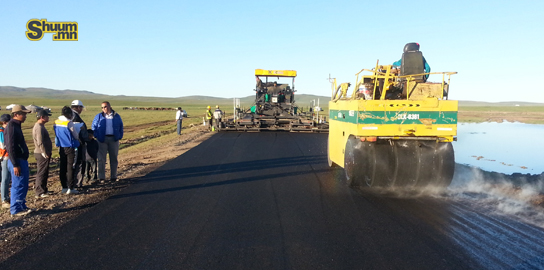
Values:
[(517, 195)]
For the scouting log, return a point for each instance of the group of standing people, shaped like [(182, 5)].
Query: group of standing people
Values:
[(81, 156), (217, 115)]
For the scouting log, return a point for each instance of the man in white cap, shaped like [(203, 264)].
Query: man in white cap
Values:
[(81, 129), (179, 119)]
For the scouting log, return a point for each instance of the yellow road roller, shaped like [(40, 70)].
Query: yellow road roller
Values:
[(393, 128)]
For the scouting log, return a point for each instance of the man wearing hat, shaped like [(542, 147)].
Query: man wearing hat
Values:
[(42, 153), (6, 176), (18, 160), (81, 129)]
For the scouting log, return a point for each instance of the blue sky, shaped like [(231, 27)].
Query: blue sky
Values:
[(182, 48)]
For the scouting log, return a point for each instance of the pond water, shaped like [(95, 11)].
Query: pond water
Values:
[(501, 147)]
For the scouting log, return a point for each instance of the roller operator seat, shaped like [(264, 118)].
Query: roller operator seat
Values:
[(413, 63)]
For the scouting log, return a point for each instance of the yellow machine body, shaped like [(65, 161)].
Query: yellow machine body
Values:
[(389, 119), (403, 110), (275, 73)]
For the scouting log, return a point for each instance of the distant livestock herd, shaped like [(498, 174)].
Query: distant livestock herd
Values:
[(149, 108)]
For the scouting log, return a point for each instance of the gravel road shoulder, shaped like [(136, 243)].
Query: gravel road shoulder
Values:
[(18, 232)]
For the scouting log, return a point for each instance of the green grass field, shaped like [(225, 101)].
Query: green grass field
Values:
[(524, 114), (137, 123), (513, 109)]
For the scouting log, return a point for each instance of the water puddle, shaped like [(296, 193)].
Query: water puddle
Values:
[(501, 147)]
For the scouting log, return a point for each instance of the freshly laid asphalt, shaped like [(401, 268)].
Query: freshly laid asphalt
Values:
[(269, 201)]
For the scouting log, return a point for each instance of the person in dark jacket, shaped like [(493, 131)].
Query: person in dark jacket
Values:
[(91, 158), (108, 130), (18, 160), (81, 128)]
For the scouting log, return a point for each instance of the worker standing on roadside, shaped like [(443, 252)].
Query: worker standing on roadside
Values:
[(217, 114), (42, 153), (17, 160), (209, 118), (108, 130), (6, 176), (66, 139), (179, 119), (81, 129)]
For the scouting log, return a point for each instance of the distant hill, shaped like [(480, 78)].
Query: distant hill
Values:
[(51, 97), (33, 91), (45, 96)]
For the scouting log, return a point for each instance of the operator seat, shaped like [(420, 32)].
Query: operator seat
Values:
[(412, 62)]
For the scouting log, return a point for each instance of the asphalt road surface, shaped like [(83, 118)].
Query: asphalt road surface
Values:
[(269, 201)]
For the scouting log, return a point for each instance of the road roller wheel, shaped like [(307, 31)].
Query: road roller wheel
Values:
[(329, 161), (398, 163), (445, 164), (352, 160), (367, 164), (384, 164), (420, 164), (406, 163)]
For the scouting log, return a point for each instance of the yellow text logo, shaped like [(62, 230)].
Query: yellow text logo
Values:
[(63, 31)]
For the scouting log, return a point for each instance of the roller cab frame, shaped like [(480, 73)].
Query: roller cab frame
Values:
[(392, 130)]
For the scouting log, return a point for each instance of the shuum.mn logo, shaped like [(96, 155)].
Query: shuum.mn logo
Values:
[(63, 31)]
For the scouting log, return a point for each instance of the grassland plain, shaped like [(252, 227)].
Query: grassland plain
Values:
[(526, 114), (139, 125)]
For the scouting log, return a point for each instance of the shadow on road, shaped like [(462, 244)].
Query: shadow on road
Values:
[(227, 168)]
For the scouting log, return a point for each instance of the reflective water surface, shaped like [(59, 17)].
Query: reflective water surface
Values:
[(501, 147)]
